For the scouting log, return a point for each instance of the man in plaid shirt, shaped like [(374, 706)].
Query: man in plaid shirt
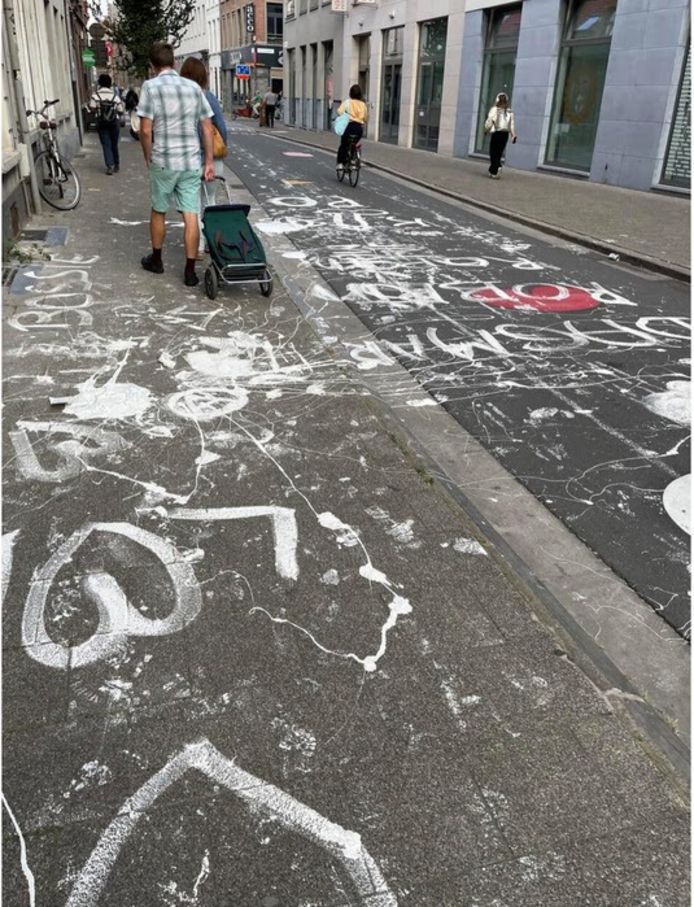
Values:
[(170, 109)]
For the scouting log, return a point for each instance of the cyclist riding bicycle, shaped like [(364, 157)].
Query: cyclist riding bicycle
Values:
[(358, 114)]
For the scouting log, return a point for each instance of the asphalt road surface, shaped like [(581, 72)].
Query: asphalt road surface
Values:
[(571, 369), (251, 656)]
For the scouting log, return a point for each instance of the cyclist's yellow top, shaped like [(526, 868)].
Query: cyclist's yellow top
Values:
[(358, 111)]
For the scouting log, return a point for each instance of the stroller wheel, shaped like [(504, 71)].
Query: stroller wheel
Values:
[(266, 283), (211, 282)]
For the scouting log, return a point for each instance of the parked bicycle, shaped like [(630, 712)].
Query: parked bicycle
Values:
[(59, 184), (353, 165)]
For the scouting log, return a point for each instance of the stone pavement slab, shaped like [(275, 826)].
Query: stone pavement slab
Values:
[(226, 712), (647, 228)]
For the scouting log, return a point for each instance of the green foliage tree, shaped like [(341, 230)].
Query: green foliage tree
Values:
[(136, 24)]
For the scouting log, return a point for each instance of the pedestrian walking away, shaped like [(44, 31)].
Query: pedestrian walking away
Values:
[(108, 106), (131, 100), (358, 114), (195, 70), (171, 108), (500, 123), (270, 107)]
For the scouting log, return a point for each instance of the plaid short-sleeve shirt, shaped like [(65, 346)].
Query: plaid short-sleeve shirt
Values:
[(175, 106)]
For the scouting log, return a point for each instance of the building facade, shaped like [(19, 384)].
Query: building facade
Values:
[(404, 54), (600, 88), (252, 52), (202, 39), (37, 64)]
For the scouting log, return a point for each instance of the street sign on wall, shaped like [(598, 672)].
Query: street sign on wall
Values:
[(339, 6), (88, 57), (243, 71)]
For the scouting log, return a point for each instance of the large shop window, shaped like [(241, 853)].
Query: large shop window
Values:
[(432, 61), (499, 66), (580, 81), (678, 160)]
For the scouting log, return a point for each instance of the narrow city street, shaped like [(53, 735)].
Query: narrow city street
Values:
[(254, 653), (571, 369)]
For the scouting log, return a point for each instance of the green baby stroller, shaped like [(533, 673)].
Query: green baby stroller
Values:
[(236, 252)]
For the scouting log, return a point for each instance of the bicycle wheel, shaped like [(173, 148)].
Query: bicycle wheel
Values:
[(354, 167), (59, 184)]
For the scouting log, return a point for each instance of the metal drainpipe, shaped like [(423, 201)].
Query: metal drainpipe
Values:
[(67, 18), (23, 123)]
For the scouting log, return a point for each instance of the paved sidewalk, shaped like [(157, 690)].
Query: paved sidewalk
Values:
[(252, 652), (648, 228)]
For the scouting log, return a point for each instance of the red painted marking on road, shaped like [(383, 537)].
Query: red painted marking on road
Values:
[(538, 298)]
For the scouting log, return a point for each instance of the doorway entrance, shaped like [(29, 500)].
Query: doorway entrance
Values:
[(390, 108), (391, 81), (432, 61)]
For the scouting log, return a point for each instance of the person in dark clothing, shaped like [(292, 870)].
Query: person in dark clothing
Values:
[(108, 106), (131, 100), (270, 107)]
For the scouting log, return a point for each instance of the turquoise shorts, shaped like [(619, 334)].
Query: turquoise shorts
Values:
[(183, 185)]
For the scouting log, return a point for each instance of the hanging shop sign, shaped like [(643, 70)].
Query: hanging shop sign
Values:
[(249, 10)]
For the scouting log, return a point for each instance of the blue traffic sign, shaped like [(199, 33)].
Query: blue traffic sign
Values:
[(243, 70)]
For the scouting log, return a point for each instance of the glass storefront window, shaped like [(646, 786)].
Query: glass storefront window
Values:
[(432, 61), (677, 169), (580, 81), (393, 41), (499, 67)]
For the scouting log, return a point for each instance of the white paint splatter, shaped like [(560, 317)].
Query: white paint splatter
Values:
[(674, 403), (677, 501), (111, 401), (28, 874), (538, 416), (298, 744), (330, 578), (469, 546), (346, 535)]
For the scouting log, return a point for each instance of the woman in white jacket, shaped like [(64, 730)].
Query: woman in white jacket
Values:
[(500, 124)]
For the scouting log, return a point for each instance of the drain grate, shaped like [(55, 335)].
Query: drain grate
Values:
[(34, 235), (8, 275), (50, 236)]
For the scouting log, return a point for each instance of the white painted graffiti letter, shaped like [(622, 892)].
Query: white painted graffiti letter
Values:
[(118, 619), (284, 529), (72, 452), (262, 799)]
